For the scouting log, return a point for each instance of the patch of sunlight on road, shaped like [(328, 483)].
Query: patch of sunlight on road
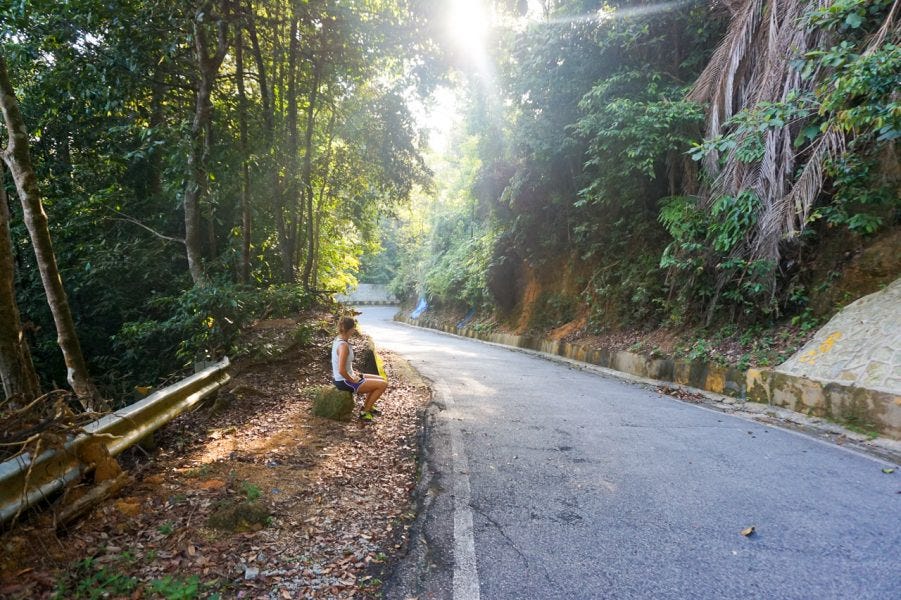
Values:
[(476, 387)]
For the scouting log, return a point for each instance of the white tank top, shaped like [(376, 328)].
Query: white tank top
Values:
[(348, 364)]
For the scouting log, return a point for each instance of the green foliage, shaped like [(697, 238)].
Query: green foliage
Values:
[(854, 99), (806, 321), (570, 164), (446, 242), (696, 237), (174, 588), (201, 324), (633, 119), (303, 335), (108, 91), (251, 491), (628, 288), (553, 309), (849, 15), (460, 274), (747, 128), (166, 528), (91, 581), (860, 191), (733, 217)]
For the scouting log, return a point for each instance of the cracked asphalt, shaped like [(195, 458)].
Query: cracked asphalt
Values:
[(586, 486)]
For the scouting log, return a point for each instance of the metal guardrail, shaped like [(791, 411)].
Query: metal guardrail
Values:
[(53, 469)]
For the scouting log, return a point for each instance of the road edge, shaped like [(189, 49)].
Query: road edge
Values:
[(882, 450)]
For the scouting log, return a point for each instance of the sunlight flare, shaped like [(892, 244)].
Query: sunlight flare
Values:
[(469, 24)]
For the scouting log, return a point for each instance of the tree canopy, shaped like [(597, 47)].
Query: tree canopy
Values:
[(201, 164), (197, 158), (677, 161)]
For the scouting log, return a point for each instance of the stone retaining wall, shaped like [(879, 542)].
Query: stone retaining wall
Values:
[(860, 346), (867, 408)]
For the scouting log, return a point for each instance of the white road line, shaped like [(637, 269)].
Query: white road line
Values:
[(466, 576)]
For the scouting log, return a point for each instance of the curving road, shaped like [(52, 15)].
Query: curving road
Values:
[(545, 481)]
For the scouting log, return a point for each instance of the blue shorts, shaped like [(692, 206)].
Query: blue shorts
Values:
[(347, 386)]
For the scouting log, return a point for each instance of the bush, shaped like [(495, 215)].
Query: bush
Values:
[(201, 324)]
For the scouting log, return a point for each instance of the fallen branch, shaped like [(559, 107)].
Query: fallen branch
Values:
[(162, 236), (96, 495)]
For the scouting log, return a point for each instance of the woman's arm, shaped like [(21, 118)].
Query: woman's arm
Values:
[(342, 360)]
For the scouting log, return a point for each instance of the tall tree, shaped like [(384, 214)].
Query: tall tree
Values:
[(207, 69), (267, 87), (17, 372), (306, 178), (294, 207), (17, 157), (244, 271)]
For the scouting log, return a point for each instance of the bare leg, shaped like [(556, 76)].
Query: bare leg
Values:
[(373, 388)]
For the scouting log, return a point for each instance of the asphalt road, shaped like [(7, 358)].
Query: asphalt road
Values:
[(546, 481)]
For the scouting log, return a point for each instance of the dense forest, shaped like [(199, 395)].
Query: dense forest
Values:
[(680, 165), (177, 169), (173, 171)]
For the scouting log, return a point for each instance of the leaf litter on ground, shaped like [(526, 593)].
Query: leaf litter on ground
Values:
[(310, 508)]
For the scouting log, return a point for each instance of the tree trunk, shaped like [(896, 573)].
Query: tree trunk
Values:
[(307, 192), (267, 96), (244, 272), (317, 225), (16, 369), (18, 158), (208, 68), (292, 201)]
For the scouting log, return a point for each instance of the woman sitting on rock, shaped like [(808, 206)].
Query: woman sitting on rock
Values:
[(343, 373)]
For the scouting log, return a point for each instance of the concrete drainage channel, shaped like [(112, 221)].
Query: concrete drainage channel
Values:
[(759, 386), (25, 480)]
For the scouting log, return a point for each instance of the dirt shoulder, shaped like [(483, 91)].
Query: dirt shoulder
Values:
[(251, 496)]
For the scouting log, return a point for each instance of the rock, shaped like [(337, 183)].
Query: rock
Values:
[(239, 516), (251, 572), (332, 403)]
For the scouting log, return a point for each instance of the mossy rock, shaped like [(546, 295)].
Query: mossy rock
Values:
[(238, 517), (332, 403)]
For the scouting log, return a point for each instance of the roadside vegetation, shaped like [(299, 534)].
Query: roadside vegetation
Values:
[(686, 174), (250, 495)]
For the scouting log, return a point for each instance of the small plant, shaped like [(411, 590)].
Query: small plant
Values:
[(86, 580), (166, 528), (303, 335), (806, 321), (863, 428), (700, 349), (251, 492), (200, 472), (172, 588)]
